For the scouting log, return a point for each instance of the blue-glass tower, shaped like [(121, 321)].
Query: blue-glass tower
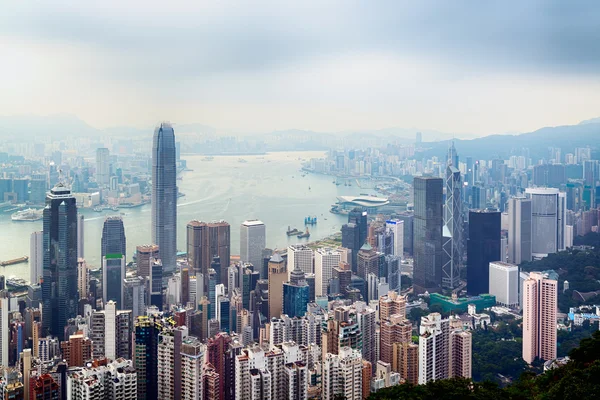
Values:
[(296, 295)]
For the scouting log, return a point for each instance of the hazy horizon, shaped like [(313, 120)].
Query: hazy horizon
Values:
[(471, 69)]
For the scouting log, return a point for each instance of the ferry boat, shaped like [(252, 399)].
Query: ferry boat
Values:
[(28, 215), (16, 283)]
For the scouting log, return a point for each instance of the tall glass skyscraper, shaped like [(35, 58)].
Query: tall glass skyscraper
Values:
[(164, 195), (427, 230), (59, 286), (483, 247), (113, 237)]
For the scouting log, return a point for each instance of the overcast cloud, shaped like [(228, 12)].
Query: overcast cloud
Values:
[(454, 66)]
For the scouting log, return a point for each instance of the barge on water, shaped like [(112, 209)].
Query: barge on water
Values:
[(14, 261)]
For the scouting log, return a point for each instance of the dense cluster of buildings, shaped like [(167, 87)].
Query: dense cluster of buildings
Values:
[(300, 322)]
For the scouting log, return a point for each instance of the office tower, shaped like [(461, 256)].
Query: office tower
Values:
[(300, 256), (134, 290), (342, 375), (164, 195), (77, 350), (113, 273), (59, 285), (394, 329), (548, 218), (4, 328), (478, 197), (504, 283), (396, 226), (83, 277), (144, 256), (483, 247), (185, 285), (568, 236), (590, 173), (519, 230), (351, 241), (36, 257), (277, 276), (155, 284), (368, 261), (453, 226), (102, 166), (145, 358), (407, 219), (539, 317), (205, 241), (81, 236), (295, 295), (113, 237), (325, 260), (37, 193), (428, 219), (434, 346), (252, 242), (460, 354), (359, 217)]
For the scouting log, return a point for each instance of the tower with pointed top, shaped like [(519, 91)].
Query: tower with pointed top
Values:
[(453, 223), (164, 195)]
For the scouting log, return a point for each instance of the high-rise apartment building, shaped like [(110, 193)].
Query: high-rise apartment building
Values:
[(342, 375), (393, 330), (504, 283), (83, 278), (59, 284), (77, 351), (483, 247), (453, 226), (406, 361), (460, 354), (134, 293), (113, 237), (192, 369), (4, 328), (428, 220), (253, 241), (300, 256), (145, 356), (117, 380), (519, 230), (102, 166), (164, 195), (548, 220), (390, 304), (36, 257), (434, 346), (325, 260), (540, 301)]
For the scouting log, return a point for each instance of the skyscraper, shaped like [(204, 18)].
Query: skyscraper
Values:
[(164, 195), (453, 224), (144, 256), (359, 217), (519, 230), (396, 226), (351, 240), (427, 230), (325, 260), (252, 242), (113, 237), (300, 256), (483, 247), (434, 346), (548, 220), (539, 317), (205, 241), (59, 285), (277, 276), (295, 295), (80, 236), (36, 257), (102, 166), (113, 274)]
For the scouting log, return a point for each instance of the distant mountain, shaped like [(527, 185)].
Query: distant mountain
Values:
[(590, 121), (35, 125), (566, 137)]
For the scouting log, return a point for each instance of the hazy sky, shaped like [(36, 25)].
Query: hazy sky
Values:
[(454, 66)]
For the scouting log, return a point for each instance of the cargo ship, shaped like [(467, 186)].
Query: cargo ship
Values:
[(304, 235), (14, 261), (28, 215), (292, 232)]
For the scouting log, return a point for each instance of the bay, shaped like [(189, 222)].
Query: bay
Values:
[(268, 187)]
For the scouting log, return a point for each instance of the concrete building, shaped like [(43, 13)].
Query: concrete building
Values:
[(300, 256), (395, 329), (77, 351), (144, 256), (113, 274), (540, 301), (116, 380), (113, 237), (434, 346), (102, 166), (391, 304), (277, 277), (504, 283), (548, 220), (325, 260), (460, 354), (519, 230), (253, 241), (453, 226), (83, 278), (396, 226), (36, 257), (406, 361), (192, 369), (342, 375)]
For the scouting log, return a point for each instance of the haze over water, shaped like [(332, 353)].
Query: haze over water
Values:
[(269, 188)]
